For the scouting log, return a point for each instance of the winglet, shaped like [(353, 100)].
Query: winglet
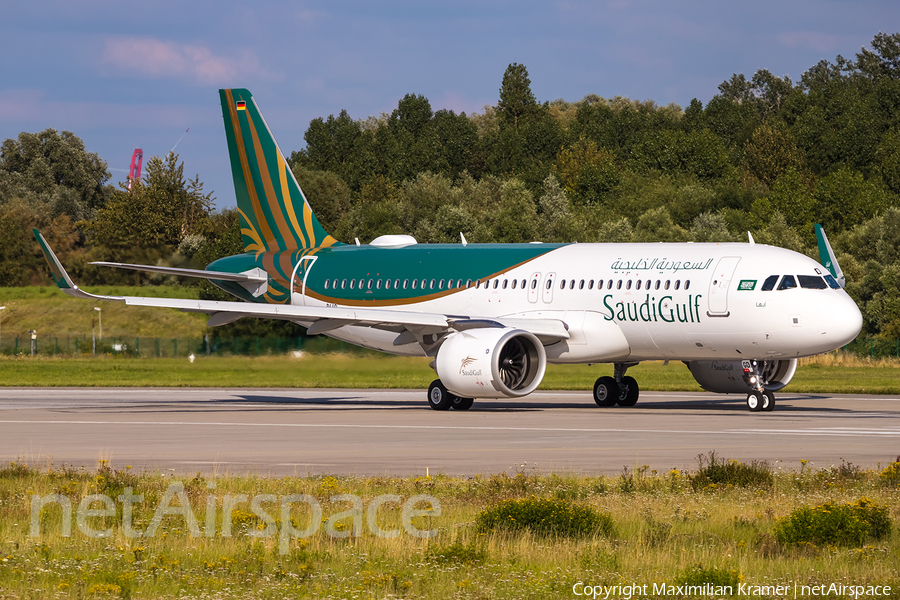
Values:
[(61, 278), (827, 258)]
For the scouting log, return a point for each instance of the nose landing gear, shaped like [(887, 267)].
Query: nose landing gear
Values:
[(759, 398)]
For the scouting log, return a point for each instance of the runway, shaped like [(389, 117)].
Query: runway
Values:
[(394, 432)]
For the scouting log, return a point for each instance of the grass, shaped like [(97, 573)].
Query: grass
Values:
[(376, 370), (665, 530), (49, 311)]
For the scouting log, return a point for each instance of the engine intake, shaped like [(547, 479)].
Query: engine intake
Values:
[(726, 376), (491, 362)]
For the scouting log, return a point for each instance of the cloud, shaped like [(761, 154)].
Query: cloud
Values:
[(157, 58)]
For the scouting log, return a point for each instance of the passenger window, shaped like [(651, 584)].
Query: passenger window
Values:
[(405, 282), (677, 283), (667, 284), (812, 282), (549, 283), (591, 284), (370, 284), (343, 283), (326, 284), (562, 284), (687, 284), (514, 282), (787, 283), (496, 283), (352, 284), (609, 285), (361, 283), (377, 285), (431, 287), (581, 285), (769, 284), (505, 282), (533, 283), (628, 285), (619, 285), (423, 283), (468, 283), (441, 284), (415, 283)]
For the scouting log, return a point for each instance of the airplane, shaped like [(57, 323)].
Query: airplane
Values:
[(492, 316)]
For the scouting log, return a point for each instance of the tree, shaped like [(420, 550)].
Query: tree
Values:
[(884, 58), (517, 102), (150, 220), (54, 170), (770, 152), (587, 173)]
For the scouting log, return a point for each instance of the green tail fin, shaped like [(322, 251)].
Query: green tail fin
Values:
[(275, 215), (826, 256)]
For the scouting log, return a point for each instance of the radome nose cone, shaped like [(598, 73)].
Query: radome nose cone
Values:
[(845, 323)]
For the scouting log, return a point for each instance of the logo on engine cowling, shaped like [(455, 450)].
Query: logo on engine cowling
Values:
[(471, 372)]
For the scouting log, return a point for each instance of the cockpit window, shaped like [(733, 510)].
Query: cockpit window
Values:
[(832, 282), (787, 283), (812, 282), (769, 284)]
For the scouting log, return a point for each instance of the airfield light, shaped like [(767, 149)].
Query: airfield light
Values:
[(100, 320), (1, 323)]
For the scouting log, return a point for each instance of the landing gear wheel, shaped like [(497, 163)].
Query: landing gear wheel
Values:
[(755, 401), (462, 403), (769, 404), (606, 391), (438, 396), (628, 392)]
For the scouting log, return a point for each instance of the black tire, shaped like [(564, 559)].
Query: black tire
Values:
[(438, 396), (755, 401), (628, 392), (462, 403), (769, 404), (606, 391)]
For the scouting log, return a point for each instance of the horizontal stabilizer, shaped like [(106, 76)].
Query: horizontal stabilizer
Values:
[(254, 276)]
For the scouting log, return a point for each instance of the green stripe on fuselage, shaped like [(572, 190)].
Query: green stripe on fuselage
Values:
[(448, 262)]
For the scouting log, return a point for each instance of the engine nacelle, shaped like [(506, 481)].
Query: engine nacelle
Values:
[(726, 376), (491, 362)]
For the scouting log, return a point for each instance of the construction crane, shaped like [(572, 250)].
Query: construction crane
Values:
[(137, 159)]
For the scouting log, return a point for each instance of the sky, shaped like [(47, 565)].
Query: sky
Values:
[(122, 75)]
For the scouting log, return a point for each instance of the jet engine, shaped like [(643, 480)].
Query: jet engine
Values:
[(726, 376), (491, 362)]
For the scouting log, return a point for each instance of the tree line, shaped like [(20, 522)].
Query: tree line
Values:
[(766, 154)]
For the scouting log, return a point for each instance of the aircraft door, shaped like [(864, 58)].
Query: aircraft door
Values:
[(534, 285), (298, 277), (720, 284), (547, 287)]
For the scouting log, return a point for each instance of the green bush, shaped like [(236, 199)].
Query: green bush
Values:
[(714, 471), (457, 553), (834, 524), (890, 476), (699, 575), (551, 516)]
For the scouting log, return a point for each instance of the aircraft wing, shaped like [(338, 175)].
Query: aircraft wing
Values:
[(321, 319)]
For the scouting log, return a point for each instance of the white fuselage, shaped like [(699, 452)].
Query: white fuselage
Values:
[(651, 301)]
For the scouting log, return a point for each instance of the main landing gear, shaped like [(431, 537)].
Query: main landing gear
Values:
[(440, 398), (620, 389), (759, 398)]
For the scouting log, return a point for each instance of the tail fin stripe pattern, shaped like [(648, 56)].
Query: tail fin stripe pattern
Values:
[(285, 193), (290, 241), (248, 177), (268, 195)]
